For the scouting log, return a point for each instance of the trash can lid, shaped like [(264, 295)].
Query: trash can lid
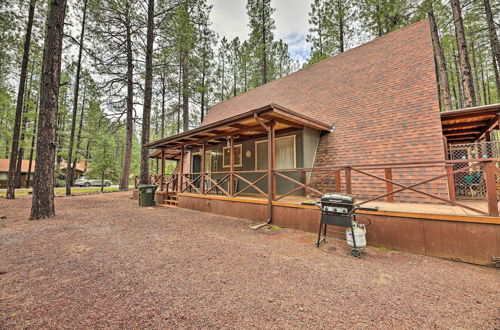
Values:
[(145, 186)]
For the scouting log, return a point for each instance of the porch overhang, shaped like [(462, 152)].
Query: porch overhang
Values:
[(471, 124), (247, 125)]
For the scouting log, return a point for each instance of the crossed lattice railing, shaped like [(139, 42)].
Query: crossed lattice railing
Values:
[(440, 181), (487, 184)]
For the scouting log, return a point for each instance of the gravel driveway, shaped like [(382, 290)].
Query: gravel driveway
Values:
[(103, 262)]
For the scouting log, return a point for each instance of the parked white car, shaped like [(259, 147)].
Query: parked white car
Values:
[(84, 182)]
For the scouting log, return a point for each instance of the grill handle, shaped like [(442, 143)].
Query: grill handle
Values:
[(367, 208)]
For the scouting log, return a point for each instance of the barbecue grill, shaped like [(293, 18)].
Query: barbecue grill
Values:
[(339, 210)]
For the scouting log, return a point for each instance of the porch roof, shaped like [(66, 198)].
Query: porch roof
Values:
[(244, 126), (470, 124)]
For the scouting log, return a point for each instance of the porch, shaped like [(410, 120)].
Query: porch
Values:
[(232, 158)]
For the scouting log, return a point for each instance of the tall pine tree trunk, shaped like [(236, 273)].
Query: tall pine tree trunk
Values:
[(440, 61), (148, 94), (497, 75), (80, 128), (163, 92), (19, 105), (203, 88), (70, 171), (43, 183), (32, 147), (127, 158), (465, 68), (495, 46), (185, 92)]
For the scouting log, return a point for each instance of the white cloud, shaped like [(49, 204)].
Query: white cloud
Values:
[(229, 18)]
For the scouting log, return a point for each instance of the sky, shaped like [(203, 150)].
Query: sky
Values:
[(229, 19)]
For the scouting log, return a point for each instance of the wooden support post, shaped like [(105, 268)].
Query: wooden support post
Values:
[(231, 166), (348, 181), (303, 179), (162, 179), (270, 168), (446, 148), (203, 168), (491, 189), (338, 182), (451, 184), (389, 185), (181, 172), (272, 144)]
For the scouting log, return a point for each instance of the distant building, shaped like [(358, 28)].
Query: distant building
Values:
[(25, 168)]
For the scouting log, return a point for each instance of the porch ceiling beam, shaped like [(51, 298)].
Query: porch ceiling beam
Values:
[(283, 121), (216, 137), (490, 126), (462, 132), (470, 124)]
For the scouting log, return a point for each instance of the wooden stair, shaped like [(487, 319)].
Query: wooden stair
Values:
[(172, 200)]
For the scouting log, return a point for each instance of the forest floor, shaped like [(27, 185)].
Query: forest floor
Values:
[(103, 261)]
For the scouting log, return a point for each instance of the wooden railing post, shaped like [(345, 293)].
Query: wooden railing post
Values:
[(338, 182), (389, 186), (162, 177), (348, 181), (231, 166), (491, 192), (203, 168), (451, 184), (181, 172)]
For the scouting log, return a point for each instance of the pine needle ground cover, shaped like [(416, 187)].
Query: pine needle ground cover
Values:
[(105, 262)]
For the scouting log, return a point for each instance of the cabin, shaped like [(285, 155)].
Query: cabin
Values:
[(366, 123), (27, 169)]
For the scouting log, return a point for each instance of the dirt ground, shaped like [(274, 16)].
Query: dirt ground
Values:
[(103, 262)]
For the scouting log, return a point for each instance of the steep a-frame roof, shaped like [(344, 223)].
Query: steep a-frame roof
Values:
[(351, 82)]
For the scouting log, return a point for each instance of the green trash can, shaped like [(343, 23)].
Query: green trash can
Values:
[(147, 194)]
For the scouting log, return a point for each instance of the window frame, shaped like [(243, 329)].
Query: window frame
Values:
[(241, 156), (279, 138)]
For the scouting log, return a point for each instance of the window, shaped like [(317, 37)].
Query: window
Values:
[(226, 156), (285, 153)]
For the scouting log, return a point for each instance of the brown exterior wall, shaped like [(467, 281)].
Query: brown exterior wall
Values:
[(457, 240)]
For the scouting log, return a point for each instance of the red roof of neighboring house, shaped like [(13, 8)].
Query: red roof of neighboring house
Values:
[(354, 81), (4, 166)]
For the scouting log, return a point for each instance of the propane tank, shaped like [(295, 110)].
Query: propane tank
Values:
[(359, 236)]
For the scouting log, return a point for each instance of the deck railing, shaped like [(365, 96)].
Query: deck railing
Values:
[(434, 181)]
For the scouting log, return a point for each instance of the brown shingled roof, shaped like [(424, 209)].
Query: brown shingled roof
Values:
[(4, 166), (338, 84)]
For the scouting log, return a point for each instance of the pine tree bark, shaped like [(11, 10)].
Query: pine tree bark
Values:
[(127, 158), (465, 67), (19, 105), (80, 128), (24, 123), (32, 148), (497, 75), (495, 45), (163, 92), (148, 95), (43, 184), (70, 171), (440, 61), (185, 92), (203, 88)]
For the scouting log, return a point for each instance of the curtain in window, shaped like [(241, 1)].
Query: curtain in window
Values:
[(285, 154)]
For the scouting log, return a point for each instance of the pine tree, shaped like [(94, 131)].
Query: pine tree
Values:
[(43, 185), (261, 39)]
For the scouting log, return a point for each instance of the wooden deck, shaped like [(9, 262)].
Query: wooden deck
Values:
[(406, 208)]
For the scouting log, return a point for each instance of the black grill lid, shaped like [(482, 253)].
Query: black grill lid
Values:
[(338, 198)]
